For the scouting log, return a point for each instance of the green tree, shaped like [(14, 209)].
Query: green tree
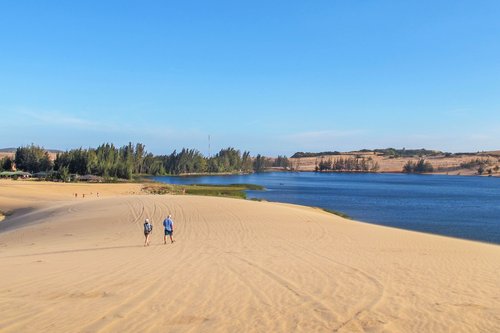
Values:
[(259, 163), (246, 162), (409, 167), (281, 162), (6, 164), (32, 159), (64, 174), (421, 166)]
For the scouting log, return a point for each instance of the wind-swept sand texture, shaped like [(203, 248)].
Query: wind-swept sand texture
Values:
[(79, 265)]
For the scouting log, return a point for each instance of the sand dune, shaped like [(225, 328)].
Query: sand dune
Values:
[(442, 164), (78, 265)]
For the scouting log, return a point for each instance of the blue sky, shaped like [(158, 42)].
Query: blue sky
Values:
[(271, 77)]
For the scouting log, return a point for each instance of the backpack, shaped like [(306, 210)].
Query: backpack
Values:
[(148, 227)]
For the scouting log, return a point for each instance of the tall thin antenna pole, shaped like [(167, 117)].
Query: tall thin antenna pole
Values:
[(209, 155)]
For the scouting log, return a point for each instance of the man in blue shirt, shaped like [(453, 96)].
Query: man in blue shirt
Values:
[(168, 224)]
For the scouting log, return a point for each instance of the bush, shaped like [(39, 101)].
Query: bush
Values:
[(421, 166)]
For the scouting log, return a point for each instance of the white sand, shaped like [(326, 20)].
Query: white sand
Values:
[(79, 265)]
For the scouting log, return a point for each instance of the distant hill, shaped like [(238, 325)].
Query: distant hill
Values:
[(13, 150), (393, 160), (384, 152), (324, 153), (408, 152), (491, 153), (393, 152)]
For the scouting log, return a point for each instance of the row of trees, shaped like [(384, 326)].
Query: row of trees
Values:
[(475, 163), (107, 161), (112, 162), (192, 161), (30, 158), (349, 164), (281, 162), (480, 165)]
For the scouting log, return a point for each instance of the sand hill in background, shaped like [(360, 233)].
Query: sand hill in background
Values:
[(442, 164), (78, 265)]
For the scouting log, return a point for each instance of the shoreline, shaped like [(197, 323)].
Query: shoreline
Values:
[(350, 219), (37, 205), (9, 213), (218, 191), (443, 173), (470, 225)]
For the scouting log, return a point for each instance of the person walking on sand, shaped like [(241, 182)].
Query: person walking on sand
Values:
[(148, 228), (168, 224)]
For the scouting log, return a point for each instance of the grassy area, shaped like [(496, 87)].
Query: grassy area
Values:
[(157, 188), (231, 191), (217, 190), (236, 186)]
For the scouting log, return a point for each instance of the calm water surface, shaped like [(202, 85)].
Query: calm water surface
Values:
[(465, 207)]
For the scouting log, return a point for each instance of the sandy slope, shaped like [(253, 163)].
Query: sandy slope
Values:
[(79, 266), (442, 164)]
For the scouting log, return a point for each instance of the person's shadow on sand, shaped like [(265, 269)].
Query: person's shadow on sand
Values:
[(78, 250)]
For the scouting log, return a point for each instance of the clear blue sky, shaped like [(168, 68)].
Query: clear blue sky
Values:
[(272, 77)]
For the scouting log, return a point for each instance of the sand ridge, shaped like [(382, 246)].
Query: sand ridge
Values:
[(80, 266)]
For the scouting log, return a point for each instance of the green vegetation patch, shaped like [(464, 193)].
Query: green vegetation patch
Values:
[(336, 212), (217, 191), (386, 152), (156, 188), (252, 187), (231, 191), (235, 186), (301, 154)]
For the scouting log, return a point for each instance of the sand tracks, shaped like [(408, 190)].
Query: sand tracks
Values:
[(237, 266)]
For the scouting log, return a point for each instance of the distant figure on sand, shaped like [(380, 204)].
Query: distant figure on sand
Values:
[(168, 224), (148, 228)]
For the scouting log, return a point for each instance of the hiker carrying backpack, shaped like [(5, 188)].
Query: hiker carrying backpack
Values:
[(148, 227)]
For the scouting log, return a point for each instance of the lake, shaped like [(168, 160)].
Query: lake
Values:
[(457, 206)]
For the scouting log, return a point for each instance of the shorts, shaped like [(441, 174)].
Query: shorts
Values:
[(168, 232), (146, 234)]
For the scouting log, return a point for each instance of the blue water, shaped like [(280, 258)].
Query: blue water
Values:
[(457, 206)]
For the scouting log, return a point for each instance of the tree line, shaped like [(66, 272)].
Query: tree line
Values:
[(124, 162), (349, 164), (30, 158)]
